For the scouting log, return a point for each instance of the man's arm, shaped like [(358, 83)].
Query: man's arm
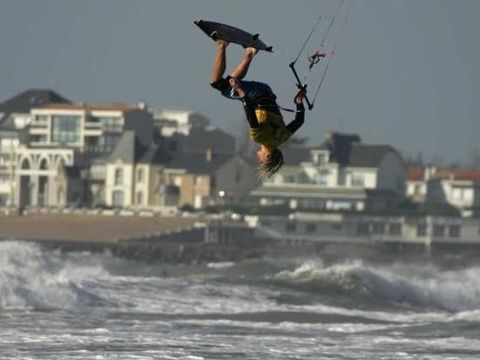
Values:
[(297, 123), (300, 113), (219, 62)]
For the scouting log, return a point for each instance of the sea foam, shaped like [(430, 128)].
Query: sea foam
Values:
[(33, 278)]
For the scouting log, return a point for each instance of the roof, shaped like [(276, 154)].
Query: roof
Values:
[(128, 149), (25, 101), (347, 150), (155, 155), (195, 163), (339, 146), (294, 155), (367, 155), (199, 140), (415, 174), (198, 163), (466, 175)]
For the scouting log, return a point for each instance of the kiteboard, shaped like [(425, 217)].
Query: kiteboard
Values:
[(231, 34)]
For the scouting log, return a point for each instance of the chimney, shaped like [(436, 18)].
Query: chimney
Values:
[(209, 155)]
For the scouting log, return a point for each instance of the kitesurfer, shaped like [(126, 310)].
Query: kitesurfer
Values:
[(265, 120)]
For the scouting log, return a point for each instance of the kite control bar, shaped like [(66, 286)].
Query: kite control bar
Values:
[(300, 85)]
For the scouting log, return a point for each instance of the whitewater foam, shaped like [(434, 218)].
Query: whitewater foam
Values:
[(419, 285), (31, 278)]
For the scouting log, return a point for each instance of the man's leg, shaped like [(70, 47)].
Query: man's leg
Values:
[(219, 62), (241, 69)]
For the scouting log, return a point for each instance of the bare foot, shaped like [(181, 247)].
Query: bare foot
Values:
[(251, 51), (221, 43)]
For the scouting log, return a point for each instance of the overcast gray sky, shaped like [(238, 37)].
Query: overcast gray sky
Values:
[(405, 72)]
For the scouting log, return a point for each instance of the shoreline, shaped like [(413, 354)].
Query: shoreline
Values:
[(172, 239), (87, 229)]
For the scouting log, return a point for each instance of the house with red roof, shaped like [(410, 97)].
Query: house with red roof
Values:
[(456, 187)]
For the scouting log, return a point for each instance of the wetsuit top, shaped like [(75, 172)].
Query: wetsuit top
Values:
[(262, 112), (253, 89)]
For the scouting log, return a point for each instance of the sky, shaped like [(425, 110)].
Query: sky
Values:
[(405, 72)]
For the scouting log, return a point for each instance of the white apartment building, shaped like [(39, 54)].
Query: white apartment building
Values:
[(15, 119), (70, 135), (170, 122)]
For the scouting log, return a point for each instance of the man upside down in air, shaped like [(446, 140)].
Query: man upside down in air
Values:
[(262, 111)]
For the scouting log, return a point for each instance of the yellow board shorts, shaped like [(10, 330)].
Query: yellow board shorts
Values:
[(272, 131)]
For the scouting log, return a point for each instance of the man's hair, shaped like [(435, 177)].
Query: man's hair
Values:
[(267, 169)]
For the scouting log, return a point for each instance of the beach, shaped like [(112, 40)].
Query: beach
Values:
[(82, 228)]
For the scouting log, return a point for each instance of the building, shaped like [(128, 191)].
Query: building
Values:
[(169, 122), (15, 119), (142, 177), (436, 186), (416, 184), (341, 174), (459, 188), (70, 136)]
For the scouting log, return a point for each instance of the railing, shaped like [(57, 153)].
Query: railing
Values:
[(93, 125)]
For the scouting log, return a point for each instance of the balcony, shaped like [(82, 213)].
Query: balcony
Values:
[(41, 125), (93, 125)]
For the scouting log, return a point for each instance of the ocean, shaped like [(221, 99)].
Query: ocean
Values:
[(82, 305)]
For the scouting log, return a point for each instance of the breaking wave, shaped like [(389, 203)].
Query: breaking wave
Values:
[(34, 278), (418, 285)]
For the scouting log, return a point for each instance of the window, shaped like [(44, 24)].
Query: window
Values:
[(109, 142), (291, 227), (456, 193), (140, 198), (41, 119), (311, 204), (462, 193), (118, 176), (395, 229), (320, 158), (172, 196), (358, 180), (320, 179), (417, 189), (439, 230), (38, 138), (66, 129), (363, 228), (454, 231), (311, 228), (97, 171), (421, 230), (378, 228), (111, 124), (117, 198), (140, 175)]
